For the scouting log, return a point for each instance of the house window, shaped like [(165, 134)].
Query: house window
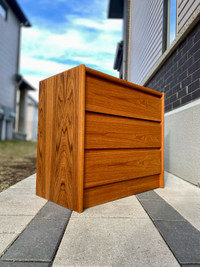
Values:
[(169, 22), (172, 20), (3, 10)]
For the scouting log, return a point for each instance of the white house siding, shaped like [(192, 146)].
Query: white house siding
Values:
[(32, 119), (146, 37), (9, 36), (30, 124), (182, 139), (185, 10)]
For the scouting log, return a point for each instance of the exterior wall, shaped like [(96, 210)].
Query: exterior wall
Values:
[(23, 109), (32, 122), (182, 139), (179, 77), (35, 124), (146, 37), (17, 111), (185, 10), (177, 73), (9, 32), (29, 124)]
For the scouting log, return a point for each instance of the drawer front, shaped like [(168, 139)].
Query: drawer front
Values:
[(109, 166), (107, 97), (101, 194), (104, 131)]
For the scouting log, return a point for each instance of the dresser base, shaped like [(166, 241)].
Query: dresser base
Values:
[(105, 193)]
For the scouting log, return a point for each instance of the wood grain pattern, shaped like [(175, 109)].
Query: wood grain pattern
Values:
[(102, 194), (122, 82), (112, 98), (99, 138), (161, 179), (61, 139), (42, 188), (109, 166), (104, 131)]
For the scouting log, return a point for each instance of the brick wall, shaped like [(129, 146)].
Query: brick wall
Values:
[(179, 77)]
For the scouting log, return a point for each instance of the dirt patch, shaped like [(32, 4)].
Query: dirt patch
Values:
[(17, 161)]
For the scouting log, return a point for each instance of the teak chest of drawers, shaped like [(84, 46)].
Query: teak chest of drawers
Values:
[(100, 138)]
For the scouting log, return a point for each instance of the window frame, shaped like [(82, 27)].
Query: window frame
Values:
[(167, 24)]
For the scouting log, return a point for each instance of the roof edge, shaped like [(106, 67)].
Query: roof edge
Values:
[(116, 9), (13, 4), (23, 84)]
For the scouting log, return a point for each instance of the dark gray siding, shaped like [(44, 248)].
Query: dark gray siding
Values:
[(146, 37), (179, 77), (9, 36)]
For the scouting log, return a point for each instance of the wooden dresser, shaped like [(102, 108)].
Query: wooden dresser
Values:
[(100, 138)]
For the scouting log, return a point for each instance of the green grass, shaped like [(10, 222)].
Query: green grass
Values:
[(18, 148)]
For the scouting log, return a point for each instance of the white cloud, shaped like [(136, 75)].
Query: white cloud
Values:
[(88, 40), (106, 25), (40, 67), (46, 43)]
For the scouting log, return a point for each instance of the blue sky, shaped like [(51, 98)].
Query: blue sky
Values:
[(173, 16), (66, 33)]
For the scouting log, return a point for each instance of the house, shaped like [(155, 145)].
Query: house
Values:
[(26, 112), (161, 50), (32, 119), (12, 19)]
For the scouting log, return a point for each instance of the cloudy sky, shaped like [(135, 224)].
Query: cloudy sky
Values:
[(66, 33)]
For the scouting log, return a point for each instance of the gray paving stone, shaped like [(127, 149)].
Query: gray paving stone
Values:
[(38, 242), (184, 197), (5, 241), (21, 191), (182, 238), (128, 207), (13, 224), (52, 211), (117, 242), (40, 239), (20, 204), (149, 195), (29, 182), (24, 264), (160, 210), (190, 265)]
